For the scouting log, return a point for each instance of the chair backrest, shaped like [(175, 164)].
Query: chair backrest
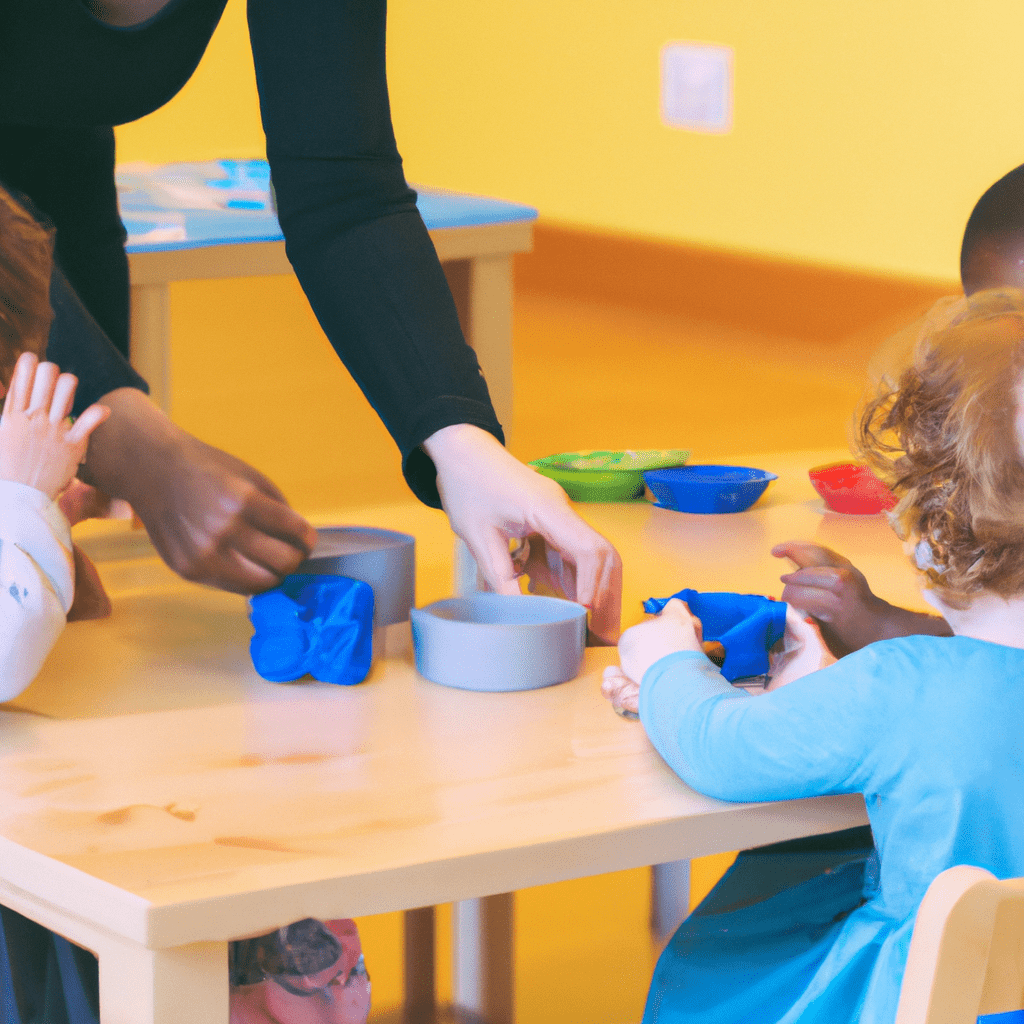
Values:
[(966, 957)]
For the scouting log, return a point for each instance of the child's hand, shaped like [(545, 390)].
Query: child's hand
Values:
[(624, 694), (38, 446), (675, 629), (830, 589)]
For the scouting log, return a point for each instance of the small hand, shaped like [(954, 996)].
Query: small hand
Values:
[(830, 589), (491, 497), (624, 694), (675, 629), (39, 446), (78, 502)]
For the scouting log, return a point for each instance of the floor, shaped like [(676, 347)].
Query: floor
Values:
[(594, 368)]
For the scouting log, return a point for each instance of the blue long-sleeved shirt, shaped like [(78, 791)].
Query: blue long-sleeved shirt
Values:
[(927, 728)]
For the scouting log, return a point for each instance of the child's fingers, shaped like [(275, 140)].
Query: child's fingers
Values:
[(680, 610), (816, 601), (805, 556), (42, 387), (63, 397), (21, 383), (87, 423), (611, 679), (819, 577), (623, 693)]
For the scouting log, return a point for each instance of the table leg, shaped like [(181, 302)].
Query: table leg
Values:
[(483, 968), (151, 339), (670, 898), (420, 999), (482, 289), (163, 986)]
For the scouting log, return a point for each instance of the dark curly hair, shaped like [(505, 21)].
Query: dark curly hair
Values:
[(26, 260), (945, 435)]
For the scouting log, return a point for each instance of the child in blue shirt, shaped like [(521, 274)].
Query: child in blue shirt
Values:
[(923, 726)]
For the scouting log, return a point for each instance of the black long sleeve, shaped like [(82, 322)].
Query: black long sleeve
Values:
[(353, 234)]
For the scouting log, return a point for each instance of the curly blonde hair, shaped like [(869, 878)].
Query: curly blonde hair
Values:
[(26, 260), (945, 435)]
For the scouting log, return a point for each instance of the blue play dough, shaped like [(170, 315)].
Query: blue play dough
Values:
[(746, 625), (313, 625)]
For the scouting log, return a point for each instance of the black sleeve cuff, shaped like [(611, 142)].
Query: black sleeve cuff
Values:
[(417, 466), (78, 345)]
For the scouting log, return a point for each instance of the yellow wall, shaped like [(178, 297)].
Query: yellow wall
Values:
[(863, 132)]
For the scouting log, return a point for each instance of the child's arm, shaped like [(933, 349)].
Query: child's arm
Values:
[(39, 453), (812, 737), (37, 583), (835, 593)]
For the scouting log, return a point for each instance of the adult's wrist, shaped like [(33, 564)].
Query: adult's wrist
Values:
[(904, 622), (457, 440), (135, 424)]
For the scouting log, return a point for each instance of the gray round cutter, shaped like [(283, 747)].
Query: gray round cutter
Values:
[(385, 559), (497, 643)]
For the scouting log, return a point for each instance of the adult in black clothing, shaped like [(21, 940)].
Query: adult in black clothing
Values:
[(71, 69)]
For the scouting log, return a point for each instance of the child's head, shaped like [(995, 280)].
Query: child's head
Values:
[(992, 253), (948, 436), (26, 259)]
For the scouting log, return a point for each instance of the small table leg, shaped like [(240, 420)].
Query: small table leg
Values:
[(483, 966), (482, 289), (163, 986), (420, 999), (670, 898), (151, 339)]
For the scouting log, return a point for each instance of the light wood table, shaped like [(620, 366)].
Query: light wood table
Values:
[(475, 238), (158, 799)]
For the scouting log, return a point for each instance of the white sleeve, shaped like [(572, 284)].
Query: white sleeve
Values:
[(37, 582)]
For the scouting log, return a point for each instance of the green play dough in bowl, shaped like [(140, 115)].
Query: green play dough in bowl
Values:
[(607, 476)]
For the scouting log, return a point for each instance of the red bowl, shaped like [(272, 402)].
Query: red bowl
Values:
[(852, 488)]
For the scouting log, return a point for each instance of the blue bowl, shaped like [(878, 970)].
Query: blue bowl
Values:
[(708, 489)]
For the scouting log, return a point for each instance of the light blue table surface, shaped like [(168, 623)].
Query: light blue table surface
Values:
[(191, 205)]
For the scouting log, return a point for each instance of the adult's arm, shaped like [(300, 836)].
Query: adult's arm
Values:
[(352, 230), (365, 260), (212, 518), (820, 734)]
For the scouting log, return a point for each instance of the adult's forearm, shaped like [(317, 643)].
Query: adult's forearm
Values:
[(897, 622), (135, 427)]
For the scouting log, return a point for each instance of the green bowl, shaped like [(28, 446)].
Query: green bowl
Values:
[(606, 476)]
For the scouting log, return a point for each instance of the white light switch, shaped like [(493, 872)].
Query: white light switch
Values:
[(696, 86)]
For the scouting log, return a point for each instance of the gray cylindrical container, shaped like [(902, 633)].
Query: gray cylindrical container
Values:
[(496, 643), (385, 559)]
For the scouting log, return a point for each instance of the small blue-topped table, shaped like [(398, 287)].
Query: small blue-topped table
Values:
[(192, 221)]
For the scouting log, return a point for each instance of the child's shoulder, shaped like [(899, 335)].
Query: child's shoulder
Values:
[(909, 658)]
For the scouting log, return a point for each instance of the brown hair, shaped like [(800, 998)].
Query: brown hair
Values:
[(26, 260), (944, 436)]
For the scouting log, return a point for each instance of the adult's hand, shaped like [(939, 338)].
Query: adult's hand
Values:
[(835, 593), (212, 518), (491, 498)]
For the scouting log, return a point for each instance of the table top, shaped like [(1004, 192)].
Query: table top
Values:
[(152, 783), (170, 207)]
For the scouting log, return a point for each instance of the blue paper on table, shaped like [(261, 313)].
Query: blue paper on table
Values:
[(313, 625), (746, 625)]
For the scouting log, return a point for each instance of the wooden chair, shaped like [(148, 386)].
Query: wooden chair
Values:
[(967, 953)]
